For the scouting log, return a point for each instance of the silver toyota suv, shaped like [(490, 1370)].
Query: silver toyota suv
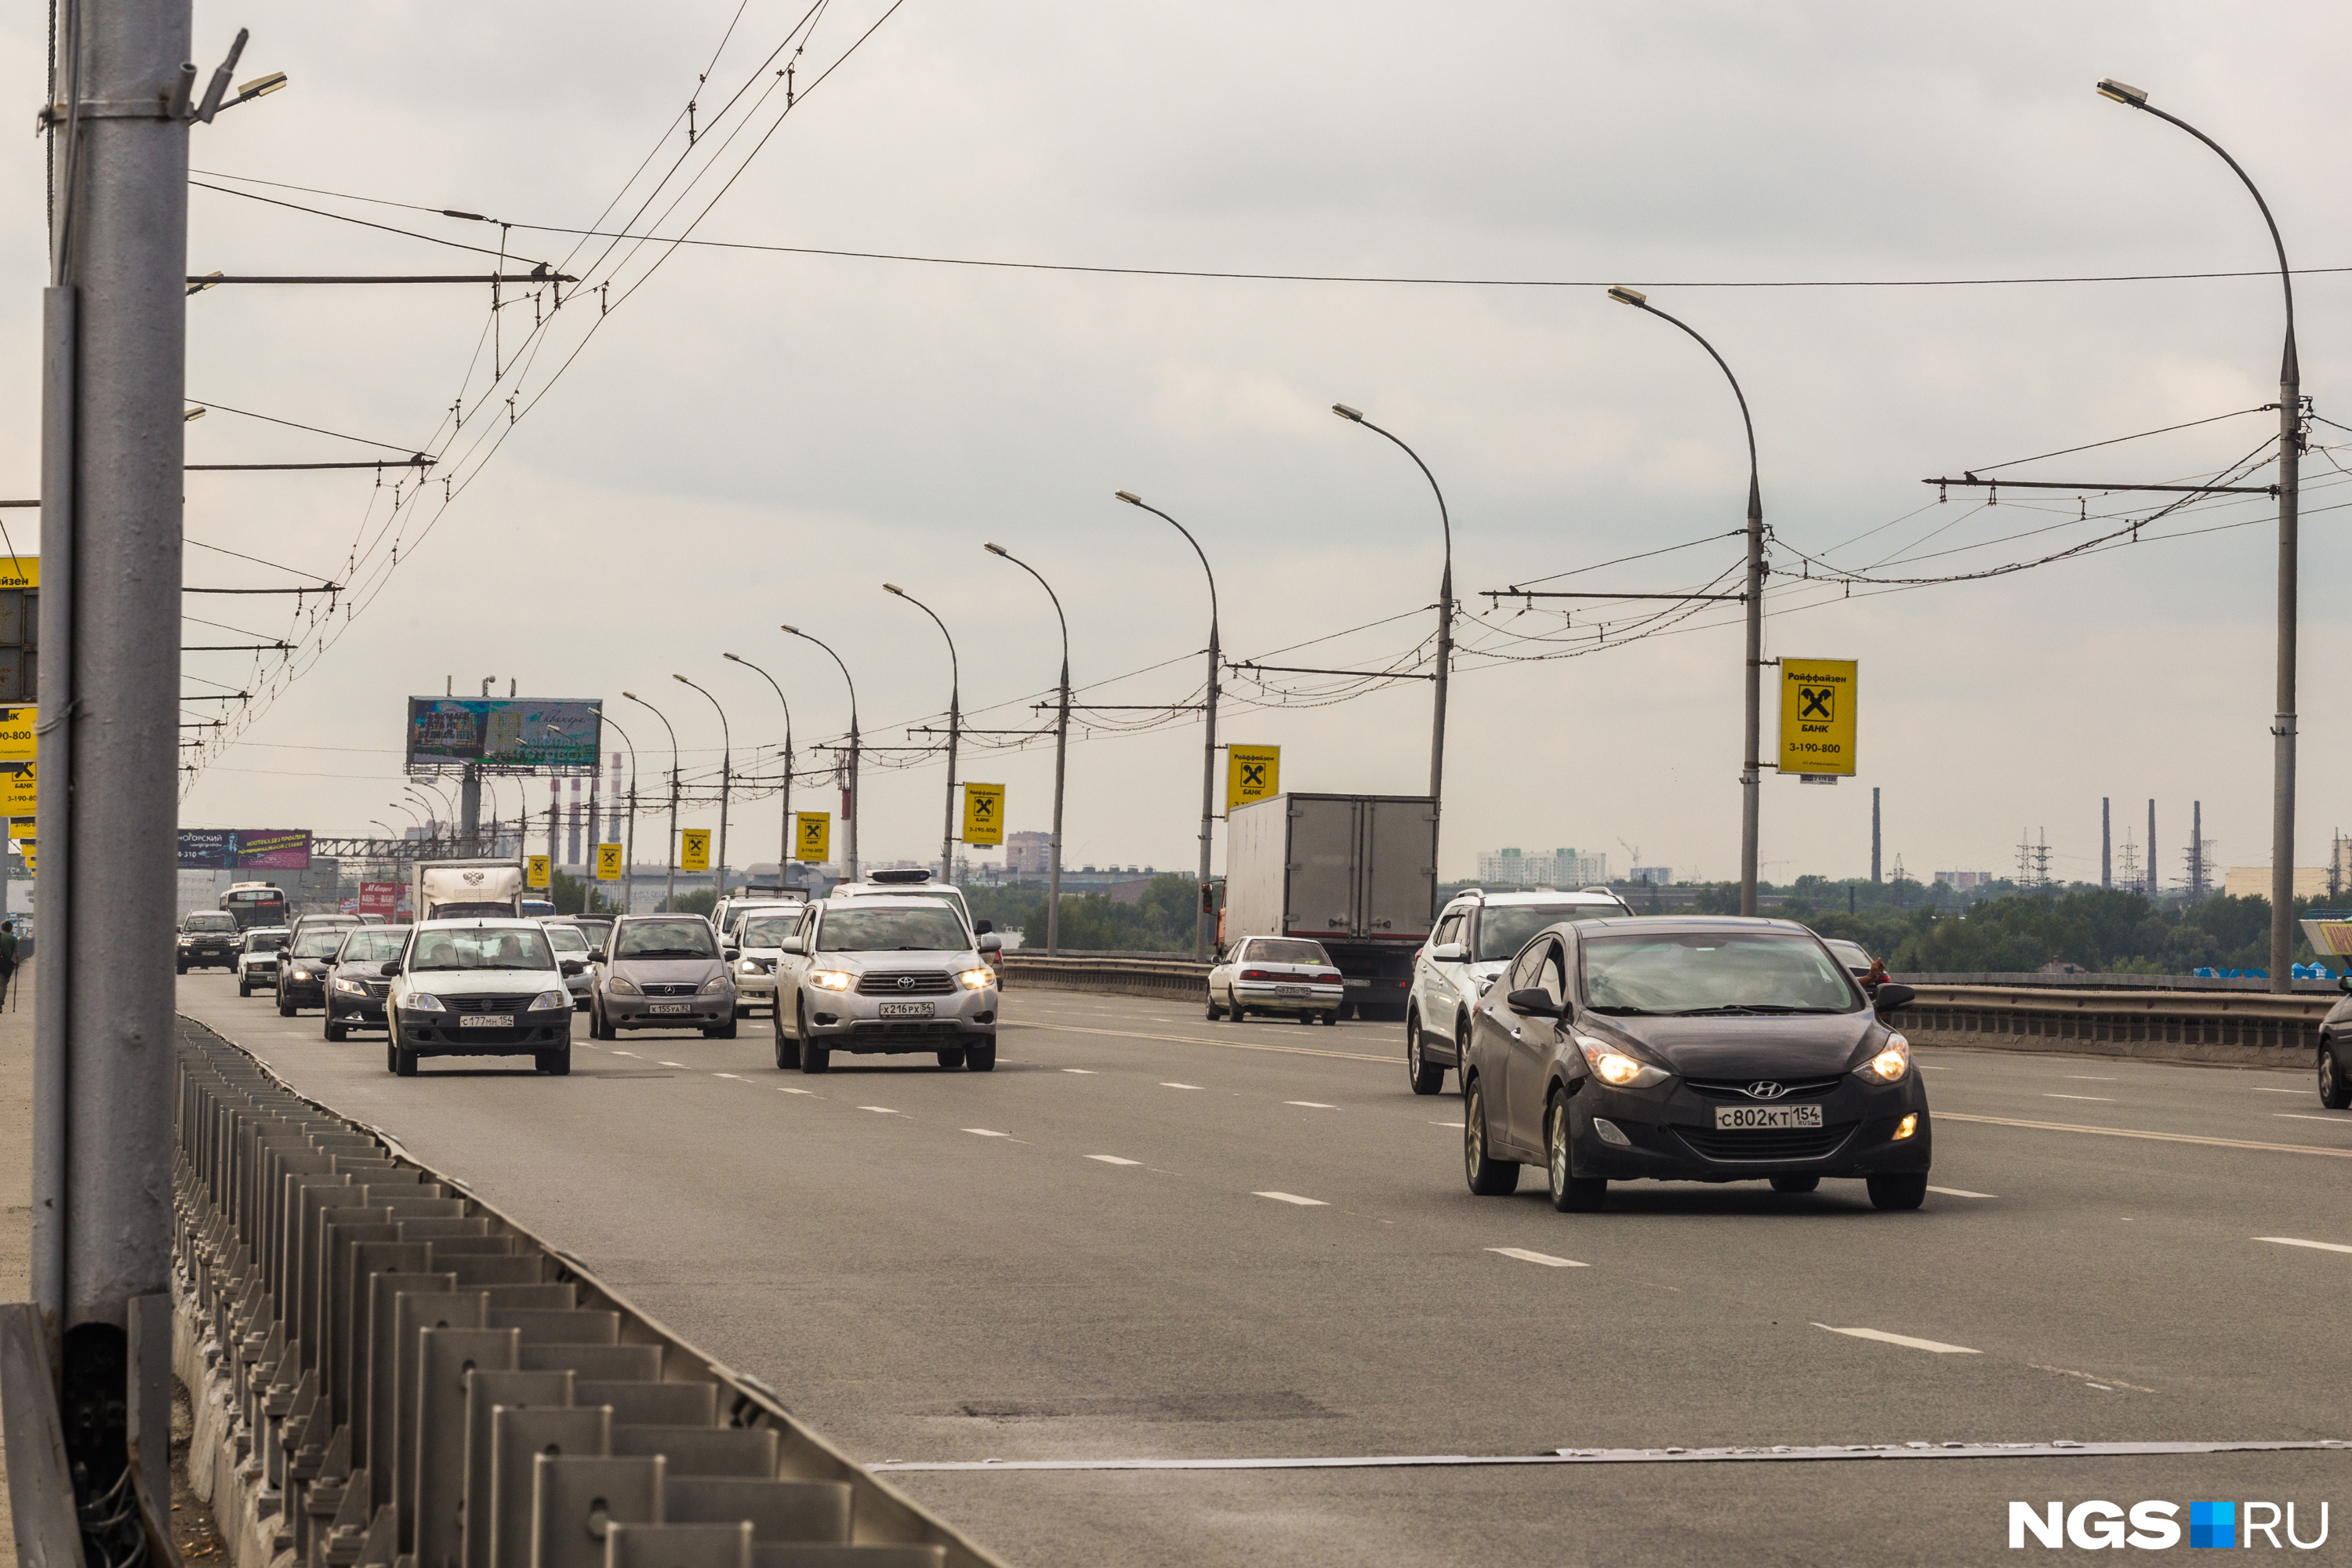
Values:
[(1476, 935), (880, 975)]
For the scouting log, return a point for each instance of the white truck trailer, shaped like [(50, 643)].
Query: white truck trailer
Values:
[(461, 890), (1355, 872)]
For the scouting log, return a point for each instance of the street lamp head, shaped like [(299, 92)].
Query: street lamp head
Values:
[(2122, 92), (997, 550), (1129, 496), (1344, 412), (1625, 296), (681, 679), (730, 655), (261, 86), (793, 631), (894, 588), (633, 697)]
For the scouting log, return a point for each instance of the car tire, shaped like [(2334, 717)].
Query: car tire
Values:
[(556, 1063), (980, 1058), (788, 1051), (1488, 1177), (1570, 1194), (243, 989), (285, 1007), (184, 969), (815, 1058), (1215, 1012), (1898, 1192), (391, 1055), (1426, 1076), (598, 1029), (1795, 1183), (725, 1031), (583, 1006), (952, 1060), (335, 1031), (403, 1061), (1236, 1014), (2335, 1089), (1461, 1050)]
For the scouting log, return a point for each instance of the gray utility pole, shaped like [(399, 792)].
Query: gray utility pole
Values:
[(1874, 833), (670, 857), (2151, 849), (726, 787), (1209, 741), (2106, 846), (1444, 628), (1751, 769), (1061, 756), (113, 356), (785, 842), (554, 827), (470, 806), (849, 807), (955, 719), (2290, 470), (629, 849), (2196, 849)]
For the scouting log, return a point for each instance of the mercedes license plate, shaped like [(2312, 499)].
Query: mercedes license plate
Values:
[(670, 1008), (909, 1009), (1765, 1118), (484, 1021)]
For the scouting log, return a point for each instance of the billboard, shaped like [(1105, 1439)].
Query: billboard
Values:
[(380, 899), (242, 848), (504, 731)]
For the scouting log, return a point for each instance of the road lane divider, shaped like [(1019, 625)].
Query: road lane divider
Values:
[(1907, 1341), (1197, 1040), (986, 1132), (2101, 1098), (1114, 1160), (1293, 1199), (2298, 1241), (1310, 1104), (2152, 1137), (1961, 1192), (1546, 1258)]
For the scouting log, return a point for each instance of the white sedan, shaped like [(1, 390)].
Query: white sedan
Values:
[(480, 988), (1276, 975)]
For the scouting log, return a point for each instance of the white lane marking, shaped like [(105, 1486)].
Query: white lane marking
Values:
[(1293, 1199), (1311, 1104), (2298, 1241), (1113, 1160), (737, 1076), (618, 1052), (1883, 1337), (2299, 1116), (2153, 1137), (1546, 1258), (1961, 1192), (2087, 1077), (2282, 1091), (1180, 1086), (1927, 1066), (2102, 1098), (1087, 1072), (984, 1133), (878, 1110), (2100, 1386), (796, 1091), (1781, 1454), (1455, 1125), (673, 1064)]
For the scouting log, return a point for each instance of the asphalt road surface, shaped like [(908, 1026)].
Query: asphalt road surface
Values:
[(1146, 1235)]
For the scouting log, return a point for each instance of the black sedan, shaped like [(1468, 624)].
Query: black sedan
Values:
[(1690, 1050), (356, 987), (303, 972)]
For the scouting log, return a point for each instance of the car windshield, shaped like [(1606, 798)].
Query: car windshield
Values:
[(667, 939), (1687, 973), (371, 946), (1504, 930), (767, 930), (485, 947), (264, 940), (1282, 951), (566, 939), (319, 943), (934, 930), (1851, 953), (209, 923)]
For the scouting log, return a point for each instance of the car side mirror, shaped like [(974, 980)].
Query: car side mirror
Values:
[(1533, 1004), (390, 969), (1447, 952), (792, 944), (1890, 996), (981, 928), (2344, 981), (573, 966), (990, 943), (730, 954)]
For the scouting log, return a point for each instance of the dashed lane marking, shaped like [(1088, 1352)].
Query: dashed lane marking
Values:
[(1180, 1086), (1961, 1192), (1310, 1104), (1197, 1040), (2101, 1098), (737, 1076), (1778, 1453), (1113, 1160), (673, 1064), (621, 1053), (2152, 1137), (1083, 1072), (2298, 1241), (2299, 1115), (1455, 1125), (984, 1133), (1293, 1199), (1883, 1337), (878, 1110), (2282, 1091), (1546, 1258), (808, 1091)]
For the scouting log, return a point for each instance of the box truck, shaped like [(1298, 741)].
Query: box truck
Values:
[(461, 890), (1355, 872)]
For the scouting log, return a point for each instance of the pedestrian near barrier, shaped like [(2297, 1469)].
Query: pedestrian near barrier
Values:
[(7, 963)]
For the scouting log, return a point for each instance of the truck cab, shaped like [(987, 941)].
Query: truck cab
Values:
[(466, 889)]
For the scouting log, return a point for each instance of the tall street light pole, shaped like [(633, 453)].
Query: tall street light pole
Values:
[(629, 847), (1061, 756), (1445, 623), (1751, 768), (784, 850), (1209, 741), (852, 808), (726, 783), (669, 855), (2290, 476), (955, 720)]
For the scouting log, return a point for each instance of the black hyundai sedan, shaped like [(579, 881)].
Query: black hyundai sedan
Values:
[(356, 988), (1690, 1050)]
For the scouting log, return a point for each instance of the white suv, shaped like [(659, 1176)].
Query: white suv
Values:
[(1475, 937)]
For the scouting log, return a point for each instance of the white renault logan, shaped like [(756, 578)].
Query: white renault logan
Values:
[(480, 988)]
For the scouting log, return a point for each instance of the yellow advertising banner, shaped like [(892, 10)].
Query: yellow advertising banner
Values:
[(16, 744), (16, 788), (20, 827), (813, 837), (1252, 772), (1817, 716), (694, 849), (536, 875), (608, 863), (20, 571), (983, 814)]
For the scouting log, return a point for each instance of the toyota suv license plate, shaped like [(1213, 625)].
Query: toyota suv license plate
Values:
[(909, 1009), (485, 1021), (1765, 1118)]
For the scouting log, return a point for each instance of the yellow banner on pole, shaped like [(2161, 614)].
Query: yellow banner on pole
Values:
[(608, 863), (16, 741), (983, 814), (813, 837), (1817, 716), (16, 788), (694, 849), (536, 874), (1252, 772)]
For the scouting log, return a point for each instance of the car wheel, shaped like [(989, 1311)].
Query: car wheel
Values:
[(391, 1054), (1461, 1050), (285, 1007), (980, 1058), (815, 1058), (556, 1063), (1898, 1192), (403, 1061), (1488, 1177), (184, 969), (1215, 1012), (335, 1031), (243, 989), (2335, 1089), (788, 1051), (1237, 1014), (1570, 1194), (598, 1028), (725, 1031), (952, 1060), (1795, 1183), (1426, 1076)]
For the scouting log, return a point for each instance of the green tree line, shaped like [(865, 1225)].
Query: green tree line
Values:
[(2105, 930)]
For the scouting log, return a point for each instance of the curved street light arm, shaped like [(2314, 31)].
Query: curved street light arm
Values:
[(1056, 598), (779, 691), (1747, 423), (1133, 500), (845, 676), (2286, 277), (955, 672)]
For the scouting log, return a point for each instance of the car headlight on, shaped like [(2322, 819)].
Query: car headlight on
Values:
[(1615, 1069), (750, 966), (1893, 1060), (425, 1002), (717, 983), (301, 975), (354, 986), (979, 979), (547, 999), (832, 979), (622, 986)]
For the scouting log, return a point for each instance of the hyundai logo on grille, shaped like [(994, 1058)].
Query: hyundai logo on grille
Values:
[(1765, 1089), (906, 982)]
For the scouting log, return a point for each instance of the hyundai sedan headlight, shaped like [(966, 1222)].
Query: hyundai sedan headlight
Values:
[(979, 979), (547, 999), (622, 986), (716, 984), (425, 1002), (301, 975), (832, 979), (355, 987), (1893, 1060), (1615, 1069)]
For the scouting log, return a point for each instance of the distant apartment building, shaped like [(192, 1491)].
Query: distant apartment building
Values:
[(1514, 867), (1028, 854), (1961, 882), (1655, 876)]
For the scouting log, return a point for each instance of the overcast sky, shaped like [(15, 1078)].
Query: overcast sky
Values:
[(755, 438)]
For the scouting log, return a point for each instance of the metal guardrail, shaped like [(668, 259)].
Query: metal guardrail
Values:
[(388, 1372), (2040, 981), (1126, 974), (2233, 1025)]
